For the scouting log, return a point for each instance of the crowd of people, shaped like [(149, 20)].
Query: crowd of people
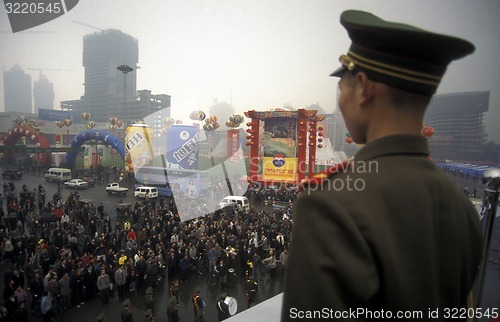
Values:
[(66, 251)]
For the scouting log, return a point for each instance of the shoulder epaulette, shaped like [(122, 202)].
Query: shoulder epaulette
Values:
[(319, 178)]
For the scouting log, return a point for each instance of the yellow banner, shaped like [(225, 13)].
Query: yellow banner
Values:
[(279, 168)]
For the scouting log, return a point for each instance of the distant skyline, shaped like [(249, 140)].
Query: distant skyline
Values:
[(252, 54)]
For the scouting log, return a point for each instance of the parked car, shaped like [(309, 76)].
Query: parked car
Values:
[(76, 183), (115, 189), (89, 180), (12, 174)]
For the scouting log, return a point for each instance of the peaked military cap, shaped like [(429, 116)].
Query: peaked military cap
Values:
[(398, 55), (100, 317)]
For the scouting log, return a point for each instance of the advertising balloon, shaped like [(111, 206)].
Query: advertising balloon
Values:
[(68, 122), (197, 115), (211, 123), (60, 124), (85, 116), (138, 146)]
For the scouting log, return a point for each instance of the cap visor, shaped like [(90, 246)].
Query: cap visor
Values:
[(339, 71)]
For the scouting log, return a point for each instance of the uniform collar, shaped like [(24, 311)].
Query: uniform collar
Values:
[(393, 144)]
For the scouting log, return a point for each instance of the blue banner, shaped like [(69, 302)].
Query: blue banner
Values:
[(183, 147)]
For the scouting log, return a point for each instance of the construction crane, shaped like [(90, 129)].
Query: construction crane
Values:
[(86, 25)]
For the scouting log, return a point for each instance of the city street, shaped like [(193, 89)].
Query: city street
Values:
[(268, 286)]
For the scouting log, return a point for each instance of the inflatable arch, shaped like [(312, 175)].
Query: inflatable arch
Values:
[(101, 135), (35, 136)]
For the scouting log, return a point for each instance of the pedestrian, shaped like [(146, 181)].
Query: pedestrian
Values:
[(149, 302), (120, 281), (65, 291), (221, 272), (46, 307), (104, 286), (387, 231), (126, 313)]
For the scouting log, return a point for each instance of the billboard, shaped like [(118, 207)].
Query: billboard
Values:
[(280, 149)]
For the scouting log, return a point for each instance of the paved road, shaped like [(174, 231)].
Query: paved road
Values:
[(268, 287)]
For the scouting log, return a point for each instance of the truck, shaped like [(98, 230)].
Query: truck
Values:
[(114, 188)]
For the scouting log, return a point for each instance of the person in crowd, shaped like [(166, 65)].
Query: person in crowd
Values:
[(104, 285)]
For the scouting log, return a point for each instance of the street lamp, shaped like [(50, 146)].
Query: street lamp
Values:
[(125, 69)]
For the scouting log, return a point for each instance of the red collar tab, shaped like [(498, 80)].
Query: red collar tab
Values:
[(318, 178)]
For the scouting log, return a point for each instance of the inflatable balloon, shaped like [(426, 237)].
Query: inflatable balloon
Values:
[(113, 120), (85, 116), (68, 122), (348, 139), (90, 125), (119, 123), (168, 121), (60, 124), (197, 115)]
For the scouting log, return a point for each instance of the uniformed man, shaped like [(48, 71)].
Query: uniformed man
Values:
[(173, 310), (149, 316), (222, 308), (388, 232), (149, 301), (126, 313), (251, 290), (101, 318)]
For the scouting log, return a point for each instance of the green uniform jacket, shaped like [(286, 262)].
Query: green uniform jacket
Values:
[(391, 233)]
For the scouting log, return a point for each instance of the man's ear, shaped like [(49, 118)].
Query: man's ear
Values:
[(365, 90)]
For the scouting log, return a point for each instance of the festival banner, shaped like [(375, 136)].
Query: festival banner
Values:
[(280, 149), (183, 147)]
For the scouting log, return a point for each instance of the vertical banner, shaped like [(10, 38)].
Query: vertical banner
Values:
[(183, 147), (233, 143), (280, 149), (138, 146)]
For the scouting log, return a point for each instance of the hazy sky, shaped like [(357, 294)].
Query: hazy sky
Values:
[(255, 54)]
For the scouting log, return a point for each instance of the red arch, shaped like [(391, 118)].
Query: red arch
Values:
[(40, 140)]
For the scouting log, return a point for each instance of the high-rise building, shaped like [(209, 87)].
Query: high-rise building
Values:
[(108, 91), (457, 119), (43, 94), (17, 90)]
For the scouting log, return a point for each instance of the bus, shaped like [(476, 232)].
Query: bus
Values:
[(172, 181)]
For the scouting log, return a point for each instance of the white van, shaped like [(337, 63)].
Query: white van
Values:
[(58, 174), (142, 191), (239, 201)]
